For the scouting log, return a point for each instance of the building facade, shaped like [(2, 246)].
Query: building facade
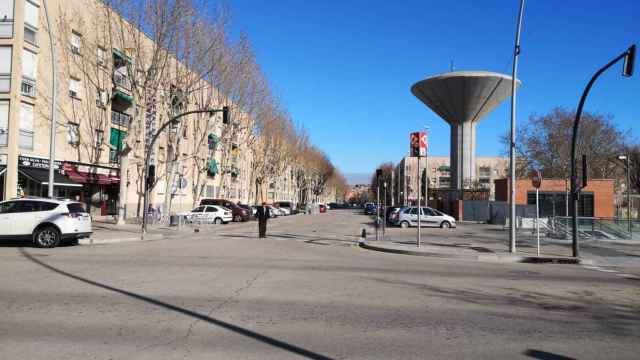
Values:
[(103, 120), (438, 173)]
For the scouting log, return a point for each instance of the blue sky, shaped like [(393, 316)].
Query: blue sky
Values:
[(344, 68)]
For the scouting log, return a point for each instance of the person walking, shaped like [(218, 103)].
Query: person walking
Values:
[(263, 215)]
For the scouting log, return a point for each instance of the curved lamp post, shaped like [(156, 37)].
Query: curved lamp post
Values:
[(225, 120), (627, 71)]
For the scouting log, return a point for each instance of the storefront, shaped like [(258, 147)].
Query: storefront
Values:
[(100, 187), (33, 179)]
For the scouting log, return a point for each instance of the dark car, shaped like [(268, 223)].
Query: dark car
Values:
[(239, 214), (323, 208), (370, 209), (246, 207)]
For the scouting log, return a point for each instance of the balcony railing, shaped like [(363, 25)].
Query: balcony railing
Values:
[(28, 87), (6, 28), (122, 81), (119, 118)]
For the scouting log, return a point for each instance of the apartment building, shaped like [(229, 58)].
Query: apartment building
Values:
[(103, 121), (438, 173)]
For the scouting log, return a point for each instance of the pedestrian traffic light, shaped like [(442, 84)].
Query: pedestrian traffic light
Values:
[(151, 178), (225, 115), (629, 60)]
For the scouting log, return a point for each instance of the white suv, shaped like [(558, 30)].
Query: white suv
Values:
[(44, 221)]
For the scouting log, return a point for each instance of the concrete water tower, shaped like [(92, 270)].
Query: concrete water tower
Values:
[(463, 98)]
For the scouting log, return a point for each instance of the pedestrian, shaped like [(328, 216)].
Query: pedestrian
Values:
[(263, 215)]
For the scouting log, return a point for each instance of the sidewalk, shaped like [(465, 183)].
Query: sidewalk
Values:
[(469, 251)]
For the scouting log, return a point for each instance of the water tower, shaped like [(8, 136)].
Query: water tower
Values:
[(463, 98)]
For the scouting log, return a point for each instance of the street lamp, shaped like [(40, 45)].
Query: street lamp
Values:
[(512, 143), (225, 120), (54, 81), (629, 56), (626, 158)]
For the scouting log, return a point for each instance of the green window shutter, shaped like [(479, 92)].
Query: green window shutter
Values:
[(212, 170)]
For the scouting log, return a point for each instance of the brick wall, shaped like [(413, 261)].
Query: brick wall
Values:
[(602, 189)]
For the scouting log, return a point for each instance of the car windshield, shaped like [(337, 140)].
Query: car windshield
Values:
[(198, 209)]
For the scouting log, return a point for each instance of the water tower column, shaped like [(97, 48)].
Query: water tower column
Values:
[(463, 153)]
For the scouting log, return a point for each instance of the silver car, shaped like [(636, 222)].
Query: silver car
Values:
[(430, 217)]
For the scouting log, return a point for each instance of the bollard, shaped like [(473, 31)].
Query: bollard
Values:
[(363, 236)]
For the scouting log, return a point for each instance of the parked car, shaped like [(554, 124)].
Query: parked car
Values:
[(370, 209), (274, 211), (210, 214), (250, 209), (323, 208), (393, 213), (46, 222), (239, 214), (287, 206), (430, 217)]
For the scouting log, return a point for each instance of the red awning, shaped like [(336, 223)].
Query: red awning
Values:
[(88, 178)]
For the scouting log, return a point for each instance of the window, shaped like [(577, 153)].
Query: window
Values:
[(101, 98), (6, 18), (74, 88), (5, 68), (76, 41), (31, 22), (211, 209), (210, 190), (101, 56), (73, 133), (198, 209), (29, 64), (444, 182), (76, 208), (8, 207), (26, 126), (99, 138), (485, 171), (4, 122)]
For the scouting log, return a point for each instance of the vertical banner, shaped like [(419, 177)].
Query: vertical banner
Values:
[(418, 144)]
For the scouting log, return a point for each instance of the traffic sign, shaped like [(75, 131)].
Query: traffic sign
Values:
[(536, 178)]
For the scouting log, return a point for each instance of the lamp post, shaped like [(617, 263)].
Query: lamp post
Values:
[(54, 81), (512, 143), (627, 71), (225, 120), (626, 158)]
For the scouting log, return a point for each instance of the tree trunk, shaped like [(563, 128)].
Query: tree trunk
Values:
[(122, 198)]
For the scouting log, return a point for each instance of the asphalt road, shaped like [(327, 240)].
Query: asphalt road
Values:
[(304, 292)]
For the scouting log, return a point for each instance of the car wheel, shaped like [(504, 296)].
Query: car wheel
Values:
[(445, 225), (217, 221), (46, 237), (237, 218), (404, 224)]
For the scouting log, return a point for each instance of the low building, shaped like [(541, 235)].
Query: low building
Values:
[(597, 199)]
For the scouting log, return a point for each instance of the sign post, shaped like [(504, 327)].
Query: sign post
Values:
[(536, 181), (418, 148)]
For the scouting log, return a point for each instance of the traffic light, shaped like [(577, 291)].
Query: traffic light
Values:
[(225, 115), (151, 178), (629, 60)]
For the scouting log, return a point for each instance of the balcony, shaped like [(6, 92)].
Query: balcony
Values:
[(6, 28), (122, 81), (120, 119), (28, 87)]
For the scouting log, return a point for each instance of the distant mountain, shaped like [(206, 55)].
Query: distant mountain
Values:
[(357, 178)]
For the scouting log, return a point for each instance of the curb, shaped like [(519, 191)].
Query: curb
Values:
[(89, 241), (483, 258)]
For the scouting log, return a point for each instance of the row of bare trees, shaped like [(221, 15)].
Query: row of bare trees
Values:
[(170, 57)]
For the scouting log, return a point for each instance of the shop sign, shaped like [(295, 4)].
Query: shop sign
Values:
[(37, 163)]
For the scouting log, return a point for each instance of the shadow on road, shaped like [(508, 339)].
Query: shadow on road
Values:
[(228, 326), (543, 355)]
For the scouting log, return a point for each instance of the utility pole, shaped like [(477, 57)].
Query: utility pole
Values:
[(512, 147), (419, 198), (54, 96)]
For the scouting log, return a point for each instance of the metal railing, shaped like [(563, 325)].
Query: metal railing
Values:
[(119, 118), (596, 228), (122, 81)]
